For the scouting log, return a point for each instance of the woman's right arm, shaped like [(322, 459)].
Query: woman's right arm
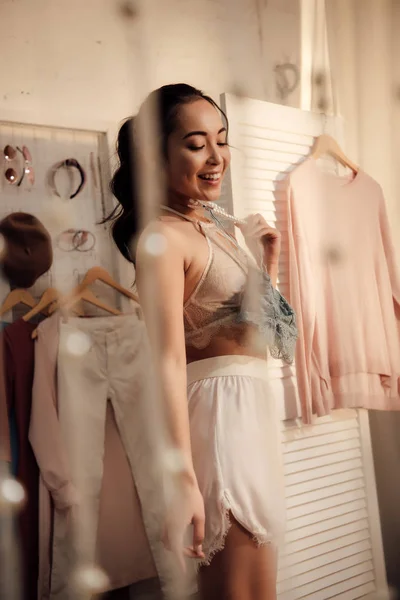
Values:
[(160, 280)]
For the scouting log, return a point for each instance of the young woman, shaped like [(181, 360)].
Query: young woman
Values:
[(220, 412)]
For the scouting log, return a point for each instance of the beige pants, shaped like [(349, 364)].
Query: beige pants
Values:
[(102, 359)]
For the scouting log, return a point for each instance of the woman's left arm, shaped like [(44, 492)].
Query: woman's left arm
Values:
[(264, 242)]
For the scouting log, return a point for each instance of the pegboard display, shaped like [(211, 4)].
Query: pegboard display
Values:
[(47, 147)]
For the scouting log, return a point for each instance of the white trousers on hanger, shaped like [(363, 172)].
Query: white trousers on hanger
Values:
[(101, 360)]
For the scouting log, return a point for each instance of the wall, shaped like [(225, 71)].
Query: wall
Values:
[(365, 46), (78, 62), (82, 65)]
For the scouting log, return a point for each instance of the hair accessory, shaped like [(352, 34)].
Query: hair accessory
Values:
[(67, 164), (28, 251)]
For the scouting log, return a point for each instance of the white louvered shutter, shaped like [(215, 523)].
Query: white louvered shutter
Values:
[(333, 544)]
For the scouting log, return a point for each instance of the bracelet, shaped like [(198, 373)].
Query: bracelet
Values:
[(76, 239)]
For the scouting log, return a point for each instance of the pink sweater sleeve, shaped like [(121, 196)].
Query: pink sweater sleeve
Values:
[(303, 300), (45, 433), (390, 254)]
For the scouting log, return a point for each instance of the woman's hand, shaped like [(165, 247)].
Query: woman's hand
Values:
[(186, 508), (262, 240)]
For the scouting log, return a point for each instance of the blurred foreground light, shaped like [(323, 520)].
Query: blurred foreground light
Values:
[(11, 492), (77, 343), (155, 244), (91, 579), (333, 255), (174, 461), (129, 10), (2, 245), (238, 90)]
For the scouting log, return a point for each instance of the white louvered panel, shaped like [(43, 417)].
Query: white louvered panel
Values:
[(337, 532), (358, 507), (328, 549), (332, 545), (292, 146), (326, 571), (318, 461), (331, 449), (311, 531), (296, 558), (328, 587), (326, 470), (324, 492), (357, 550), (314, 508), (317, 444), (317, 483)]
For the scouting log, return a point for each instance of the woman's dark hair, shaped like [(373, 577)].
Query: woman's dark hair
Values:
[(125, 218)]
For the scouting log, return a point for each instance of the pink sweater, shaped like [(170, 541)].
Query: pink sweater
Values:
[(345, 290)]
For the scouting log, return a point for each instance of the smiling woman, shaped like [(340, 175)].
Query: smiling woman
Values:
[(198, 153), (218, 405)]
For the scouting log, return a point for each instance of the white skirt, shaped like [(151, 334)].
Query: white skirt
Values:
[(236, 447)]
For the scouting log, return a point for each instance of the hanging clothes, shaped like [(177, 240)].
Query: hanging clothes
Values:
[(18, 357), (91, 402), (345, 290), (55, 488), (5, 444)]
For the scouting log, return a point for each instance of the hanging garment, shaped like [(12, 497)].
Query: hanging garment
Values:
[(18, 367), (236, 448), (101, 391), (55, 487), (5, 445), (345, 290)]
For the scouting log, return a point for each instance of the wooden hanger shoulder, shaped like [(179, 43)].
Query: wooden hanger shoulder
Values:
[(326, 145), (15, 297), (101, 274)]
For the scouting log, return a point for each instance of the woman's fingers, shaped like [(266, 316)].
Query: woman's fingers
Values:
[(174, 543), (198, 533), (192, 553)]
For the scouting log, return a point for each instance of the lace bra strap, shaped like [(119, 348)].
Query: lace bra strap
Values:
[(202, 225)]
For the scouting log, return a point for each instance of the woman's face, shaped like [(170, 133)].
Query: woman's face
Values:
[(198, 154)]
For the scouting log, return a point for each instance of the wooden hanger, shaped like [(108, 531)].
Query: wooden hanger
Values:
[(86, 295), (326, 144), (50, 296), (100, 274), (15, 297)]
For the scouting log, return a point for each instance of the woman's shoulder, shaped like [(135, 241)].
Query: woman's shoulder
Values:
[(163, 236)]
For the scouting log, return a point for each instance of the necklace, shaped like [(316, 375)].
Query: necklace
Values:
[(213, 209), (214, 212)]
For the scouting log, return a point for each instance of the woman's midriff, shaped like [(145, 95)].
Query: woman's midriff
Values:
[(220, 346)]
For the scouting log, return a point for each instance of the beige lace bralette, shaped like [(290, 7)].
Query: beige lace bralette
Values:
[(215, 302)]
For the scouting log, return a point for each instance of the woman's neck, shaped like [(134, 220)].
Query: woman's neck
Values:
[(183, 205)]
